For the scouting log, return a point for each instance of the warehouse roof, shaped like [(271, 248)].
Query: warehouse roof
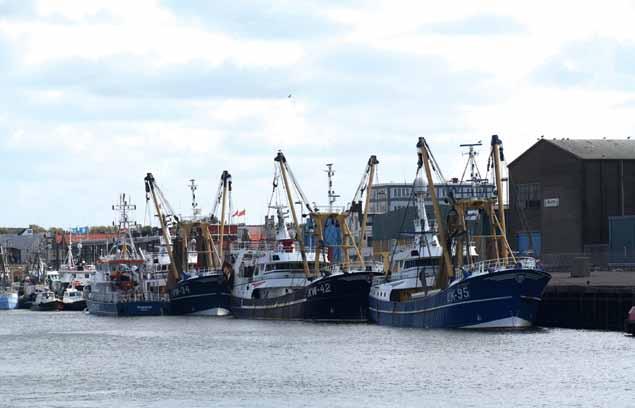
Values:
[(593, 149)]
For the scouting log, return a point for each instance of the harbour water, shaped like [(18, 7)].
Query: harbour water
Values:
[(69, 359)]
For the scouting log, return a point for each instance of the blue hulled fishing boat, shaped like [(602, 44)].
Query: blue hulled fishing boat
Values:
[(8, 296), (500, 292), (493, 294)]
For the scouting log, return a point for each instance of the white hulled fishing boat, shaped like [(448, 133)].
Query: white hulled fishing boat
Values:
[(74, 273), (291, 280)]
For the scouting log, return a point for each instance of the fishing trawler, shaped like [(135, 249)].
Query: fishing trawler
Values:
[(72, 273), (198, 279), (118, 288), (415, 266), (502, 291), (277, 281), (8, 296)]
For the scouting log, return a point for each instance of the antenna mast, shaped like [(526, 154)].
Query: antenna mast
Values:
[(475, 174), (193, 187), (332, 196), (124, 208)]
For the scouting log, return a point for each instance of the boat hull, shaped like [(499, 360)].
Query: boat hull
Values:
[(25, 302), (121, 309), (8, 301), (504, 299), (47, 306), (74, 306), (335, 298), (204, 295)]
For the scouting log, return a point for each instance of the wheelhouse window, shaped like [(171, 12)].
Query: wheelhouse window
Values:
[(419, 262), (285, 266)]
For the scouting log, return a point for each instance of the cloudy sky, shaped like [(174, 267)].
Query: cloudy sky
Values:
[(95, 94)]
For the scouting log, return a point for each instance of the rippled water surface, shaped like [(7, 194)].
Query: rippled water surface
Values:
[(66, 359)]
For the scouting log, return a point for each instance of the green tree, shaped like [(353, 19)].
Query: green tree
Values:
[(36, 228)]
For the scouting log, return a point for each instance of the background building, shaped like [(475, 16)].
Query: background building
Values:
[(386, 197), (393, 209), (564, 191), (24, 247)]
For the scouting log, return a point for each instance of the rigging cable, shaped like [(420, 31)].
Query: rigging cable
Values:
[(403, 220)]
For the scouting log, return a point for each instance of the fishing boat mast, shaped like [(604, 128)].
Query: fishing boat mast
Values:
[(475, 174), (447, 271), (341, 219), (365, 187), (152, 188), (226, 183), (284, 169), (196, 212), (124, 208), (370, 172), (3, 269), (69, 254), (497, 154), (332, 196)]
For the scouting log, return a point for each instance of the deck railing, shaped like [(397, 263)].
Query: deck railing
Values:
[(130, 297), (492, 265)]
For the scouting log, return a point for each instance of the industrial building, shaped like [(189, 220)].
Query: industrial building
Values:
[(392, 208), (23, 247), (563, 193), (387, 197)]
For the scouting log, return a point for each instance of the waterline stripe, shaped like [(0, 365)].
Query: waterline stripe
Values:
[(274, 306), (441, 307), (193, 296)]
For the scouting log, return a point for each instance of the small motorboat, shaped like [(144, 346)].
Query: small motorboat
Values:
[(73, 300), (45, 301)]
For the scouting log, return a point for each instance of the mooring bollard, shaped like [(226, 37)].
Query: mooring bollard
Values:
[(581, 267)]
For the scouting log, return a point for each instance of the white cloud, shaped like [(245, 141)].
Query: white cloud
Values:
[(135, 29), (86, 143)]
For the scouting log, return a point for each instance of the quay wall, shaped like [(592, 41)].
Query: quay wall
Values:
[(597, 301), (579, 307)]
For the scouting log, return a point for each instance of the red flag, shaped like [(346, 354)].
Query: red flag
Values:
[(242, 213), (235, 214)]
